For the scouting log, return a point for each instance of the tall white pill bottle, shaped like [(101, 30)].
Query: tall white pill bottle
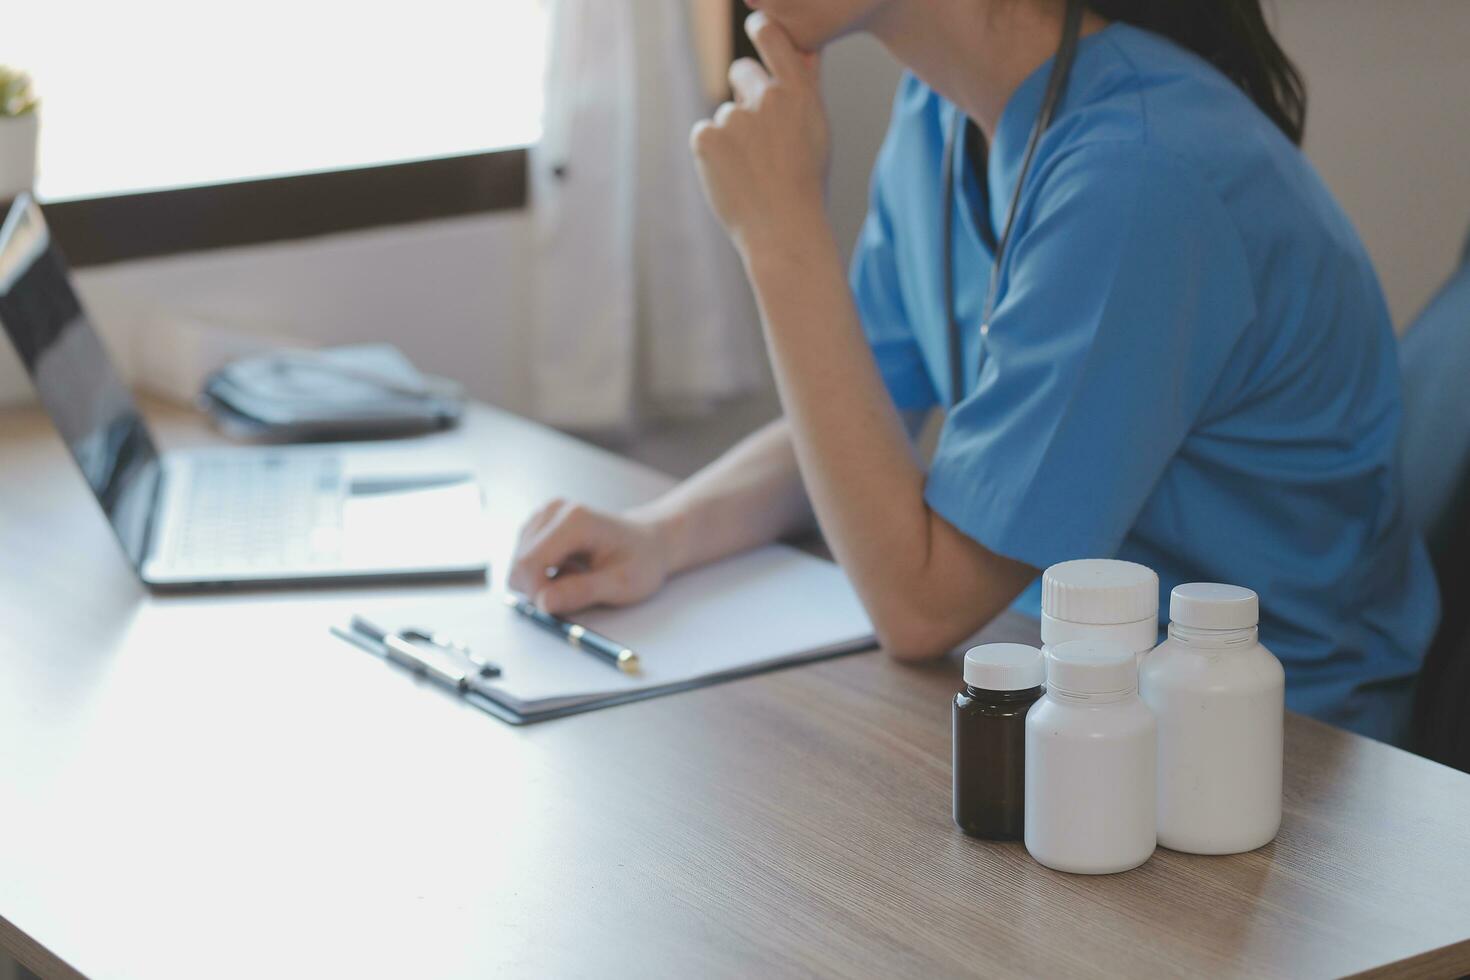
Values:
[(1219, 698)]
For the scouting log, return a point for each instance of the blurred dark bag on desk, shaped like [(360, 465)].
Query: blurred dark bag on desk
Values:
[(361, 391)]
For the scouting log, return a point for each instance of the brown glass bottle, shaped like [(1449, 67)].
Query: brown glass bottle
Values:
[(990, 739)]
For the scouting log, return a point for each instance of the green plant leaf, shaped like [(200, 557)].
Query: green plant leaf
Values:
[(17, 97)]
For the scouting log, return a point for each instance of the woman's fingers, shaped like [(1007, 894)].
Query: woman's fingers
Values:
[(748, 80), (530, 532), (596, 558), (776, 48), (569, 593), (571, 531), (537, 524), (541, 518)]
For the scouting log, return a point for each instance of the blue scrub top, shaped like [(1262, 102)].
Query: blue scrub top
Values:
[(1190, 364)]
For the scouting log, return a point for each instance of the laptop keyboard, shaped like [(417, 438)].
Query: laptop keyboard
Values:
[(258, 511)]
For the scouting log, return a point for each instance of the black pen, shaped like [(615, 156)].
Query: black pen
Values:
[(615, 654)]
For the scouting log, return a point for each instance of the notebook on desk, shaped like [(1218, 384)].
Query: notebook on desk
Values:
[(772, 607)]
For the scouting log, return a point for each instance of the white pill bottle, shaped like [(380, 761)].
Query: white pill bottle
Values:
[(1090, 763), (1219, 698), (1100, 599)]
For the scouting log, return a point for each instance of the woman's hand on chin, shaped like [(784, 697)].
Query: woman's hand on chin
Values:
[(763, 157)]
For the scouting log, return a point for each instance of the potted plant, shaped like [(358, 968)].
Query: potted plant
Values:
[(19, 124)]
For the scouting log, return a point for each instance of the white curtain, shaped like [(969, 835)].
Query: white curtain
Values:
[(640, 304)]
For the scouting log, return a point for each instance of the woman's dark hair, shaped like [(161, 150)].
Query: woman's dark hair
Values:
[(1231, 35)]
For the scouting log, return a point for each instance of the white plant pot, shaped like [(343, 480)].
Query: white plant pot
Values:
[(18, 153)]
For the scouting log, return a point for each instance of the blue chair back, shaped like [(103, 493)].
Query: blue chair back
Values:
[(1435, 358)]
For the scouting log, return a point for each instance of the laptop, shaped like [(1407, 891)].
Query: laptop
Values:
[(223, 517)]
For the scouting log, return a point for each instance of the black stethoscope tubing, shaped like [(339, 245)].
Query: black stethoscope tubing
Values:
[(1056, 87)]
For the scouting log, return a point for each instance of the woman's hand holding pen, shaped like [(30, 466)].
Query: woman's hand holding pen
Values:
[(569, 556), (763, 157)]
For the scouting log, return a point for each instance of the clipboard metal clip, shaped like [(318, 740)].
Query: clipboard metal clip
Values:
[(426, 654)]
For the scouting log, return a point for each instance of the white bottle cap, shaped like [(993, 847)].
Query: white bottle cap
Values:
[(1091, 667), (1100, 591), (1004, 667), (1212, 606), (1100, 596)]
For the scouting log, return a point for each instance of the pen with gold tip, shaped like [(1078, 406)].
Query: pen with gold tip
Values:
[(615, 654)]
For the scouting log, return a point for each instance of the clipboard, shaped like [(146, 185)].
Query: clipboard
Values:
[(512, 717), (770, 608)]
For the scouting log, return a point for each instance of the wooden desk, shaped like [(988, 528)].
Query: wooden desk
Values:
[(215, 787)]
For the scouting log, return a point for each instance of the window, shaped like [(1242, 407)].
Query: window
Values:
[(150, 94), (172, 125)]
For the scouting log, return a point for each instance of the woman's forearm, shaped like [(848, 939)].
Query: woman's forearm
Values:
[(750, 496), (925, 585), (861, 471)]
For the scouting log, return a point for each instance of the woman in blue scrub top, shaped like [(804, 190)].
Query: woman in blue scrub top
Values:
[(1181, 356)]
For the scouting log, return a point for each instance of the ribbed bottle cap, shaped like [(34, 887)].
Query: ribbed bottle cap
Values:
[(1091, 667), (1004, 667), (1100, 591), (1212, 606)]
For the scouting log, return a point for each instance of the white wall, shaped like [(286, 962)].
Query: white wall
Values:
[(453, 294), (858, 79), (1389, 128)]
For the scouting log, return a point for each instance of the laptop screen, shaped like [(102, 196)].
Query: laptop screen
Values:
[(74, 377)]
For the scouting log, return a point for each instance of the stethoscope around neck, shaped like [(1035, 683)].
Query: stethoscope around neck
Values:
[(1056, 86)]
